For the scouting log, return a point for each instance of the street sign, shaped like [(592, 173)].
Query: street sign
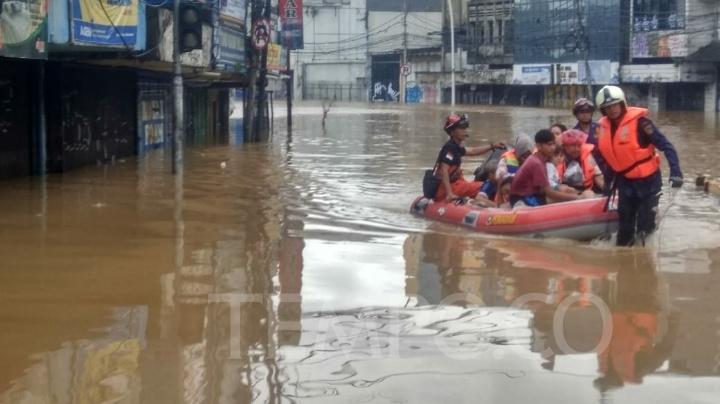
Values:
[(261, 34), (405, 69)]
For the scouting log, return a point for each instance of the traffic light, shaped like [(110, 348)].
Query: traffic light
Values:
[(190, 27)]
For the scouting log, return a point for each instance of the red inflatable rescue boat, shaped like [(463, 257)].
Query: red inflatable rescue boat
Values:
[(584, 219)]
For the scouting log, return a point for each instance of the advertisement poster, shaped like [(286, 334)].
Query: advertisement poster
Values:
[(231, 56), (532, 74), (659, 44), (105, 22), (276, 57), (233, 9), (291, 18), (23, 28), (566, 73)]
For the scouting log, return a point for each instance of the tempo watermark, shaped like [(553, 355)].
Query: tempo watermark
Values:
[(383, 332)]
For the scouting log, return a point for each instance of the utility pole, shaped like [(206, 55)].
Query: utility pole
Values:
[(403, 77), (452, 55), (290, 84), (178, 130), (262, 124)]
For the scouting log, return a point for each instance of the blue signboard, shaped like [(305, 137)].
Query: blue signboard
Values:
[(105, 22), (231, 50)]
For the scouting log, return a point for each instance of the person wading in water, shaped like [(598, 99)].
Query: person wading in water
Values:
[(627, 140)]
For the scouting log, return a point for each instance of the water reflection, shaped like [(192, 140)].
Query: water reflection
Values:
[(612, 304)]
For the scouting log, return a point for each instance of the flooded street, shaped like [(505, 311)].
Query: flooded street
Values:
[(292, 272)]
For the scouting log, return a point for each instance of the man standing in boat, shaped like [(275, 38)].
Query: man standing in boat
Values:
[(453, 184), (627, 140)]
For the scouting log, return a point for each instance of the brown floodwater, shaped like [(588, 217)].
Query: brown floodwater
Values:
[(292, 272)]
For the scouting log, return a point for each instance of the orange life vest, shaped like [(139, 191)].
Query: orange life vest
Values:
[(587, 168), (622, 150)]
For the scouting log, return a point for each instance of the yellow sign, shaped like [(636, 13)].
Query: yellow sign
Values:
[(106, 22), (273, 56), (501, 220)]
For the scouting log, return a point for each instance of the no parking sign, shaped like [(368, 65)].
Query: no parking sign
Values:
[(261, 34)]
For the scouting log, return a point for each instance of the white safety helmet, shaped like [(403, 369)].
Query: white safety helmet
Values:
[(609, 95)]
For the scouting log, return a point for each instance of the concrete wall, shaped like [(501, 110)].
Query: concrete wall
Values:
[(386, 30), (335, 54)]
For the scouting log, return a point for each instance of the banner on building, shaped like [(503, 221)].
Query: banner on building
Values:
[(659, 45), (105, 22), (291, 18), (566, 73), (231, 52), (601, 72), (540, 74), (234, 9), (23, 28)]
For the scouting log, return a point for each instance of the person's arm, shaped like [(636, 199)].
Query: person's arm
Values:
[(478, 150), (555, 195), (502, 170), (445, 176), (599, 181), (649, 133), (483, 200), (598, 177)]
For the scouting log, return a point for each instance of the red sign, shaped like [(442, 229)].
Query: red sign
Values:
[(291, 18), (261, 34)]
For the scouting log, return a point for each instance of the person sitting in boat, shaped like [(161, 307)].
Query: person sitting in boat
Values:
[(530, 185), (554, 175), (453, 184), (511, 160), (503, 199), (488, 191), (557, 130), (578, 168)]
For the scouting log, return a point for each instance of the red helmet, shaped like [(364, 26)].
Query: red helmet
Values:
[(574, 136), (583, 104), (454, 121)]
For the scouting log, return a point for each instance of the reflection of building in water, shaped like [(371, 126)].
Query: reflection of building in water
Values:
[(220, 359), (697, 298), (105, 369)]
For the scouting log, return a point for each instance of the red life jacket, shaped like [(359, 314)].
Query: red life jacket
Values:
[(622, 150), (587, 168)]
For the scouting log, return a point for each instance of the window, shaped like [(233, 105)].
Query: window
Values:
[(481, 31), (491, 32), (501, 34), (654, 15)]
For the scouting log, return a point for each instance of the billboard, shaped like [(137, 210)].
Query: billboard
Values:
[(659, 45), (231, 52), (23, 28), (233, 9), (105, 22), (291, 19), (532, 74)]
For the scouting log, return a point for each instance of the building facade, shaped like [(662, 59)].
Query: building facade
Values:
[(673, 54), (332, 64), (81, 87)]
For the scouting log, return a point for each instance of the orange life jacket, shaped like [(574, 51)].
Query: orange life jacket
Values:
[(631, 333), (622, 151), (587, 168)]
